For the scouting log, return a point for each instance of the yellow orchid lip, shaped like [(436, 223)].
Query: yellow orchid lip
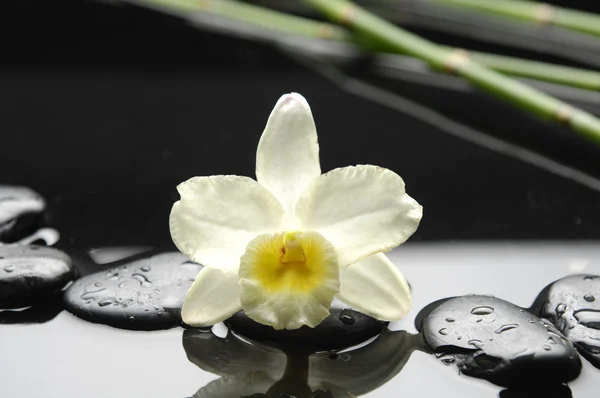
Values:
[(294, 262), (296, 273)]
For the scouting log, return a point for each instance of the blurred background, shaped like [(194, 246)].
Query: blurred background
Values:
[(106, 106)]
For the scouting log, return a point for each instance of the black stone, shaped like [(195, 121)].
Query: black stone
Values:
[(573, 305), (342, 328), (495, 340), (30, 274), (145, 293), (21, 212)]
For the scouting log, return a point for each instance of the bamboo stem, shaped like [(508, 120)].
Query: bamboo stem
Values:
[(533, 11), (458, 62), (559, 74), (265, 18), (257, 15)]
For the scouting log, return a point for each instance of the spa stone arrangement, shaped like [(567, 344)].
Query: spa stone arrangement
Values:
[(347, 352)]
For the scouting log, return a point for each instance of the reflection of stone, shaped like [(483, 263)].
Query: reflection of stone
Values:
[(495, 340), (342, 328), (41, 312), (552, 391), (250, 369), (231, 355), (142, 293), (384, 358), (573, 305), (29, 274)]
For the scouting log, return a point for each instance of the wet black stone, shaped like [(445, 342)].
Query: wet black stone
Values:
[(572, 304), (29, 274), (145, 293), (495, 340), (21, 212), (342, 328)]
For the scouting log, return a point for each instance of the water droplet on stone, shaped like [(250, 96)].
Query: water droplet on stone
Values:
[(443, 332), (145, 268), (450, 320), (547, 348), (459, 337), (506, 327), (589, 298), (476, 343), (346, 318), (144, 282), (482, 310), (9, 268), (346, 357), (122, 284), (97, 284), (104, 303), (112, 275), (90, 295)]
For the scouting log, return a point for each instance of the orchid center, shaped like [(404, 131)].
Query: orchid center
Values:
[(291, 251), (295, 262)]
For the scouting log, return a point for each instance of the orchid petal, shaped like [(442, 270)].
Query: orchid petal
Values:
[(361, 210), (217, 216), (376, 287), (213, 297), (287, 158)]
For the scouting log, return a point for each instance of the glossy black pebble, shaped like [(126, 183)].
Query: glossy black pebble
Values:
[(495, 340), (20, 212), (29, 274), (342, 328), (573, 305), (145, 293)]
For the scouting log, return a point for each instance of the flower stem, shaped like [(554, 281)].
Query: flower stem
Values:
[(534, 11), (458, 62)]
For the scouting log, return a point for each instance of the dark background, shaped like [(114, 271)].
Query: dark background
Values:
[(106, 108)]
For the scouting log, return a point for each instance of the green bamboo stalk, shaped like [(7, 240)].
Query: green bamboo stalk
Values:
[(264, 17), (565, 75), (534, 11), (453, 61)]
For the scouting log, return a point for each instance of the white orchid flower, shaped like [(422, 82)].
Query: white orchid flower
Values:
[(283, 246)]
